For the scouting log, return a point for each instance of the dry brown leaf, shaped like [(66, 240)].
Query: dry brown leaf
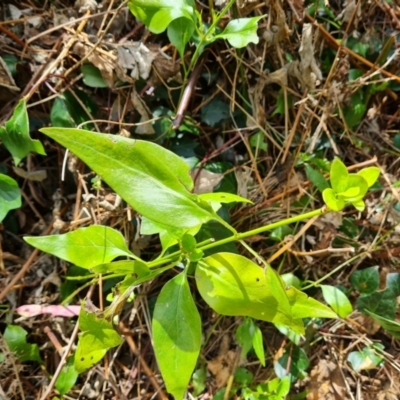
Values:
[(221, 367), (326, 382), (164, 69), (38, 175)]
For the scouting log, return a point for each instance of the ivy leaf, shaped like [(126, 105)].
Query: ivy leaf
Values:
[(176, 334), (97, 337), (151, 179), (10, 195), (382, 303), (337, 300), (366, 280), (15, 136), (15, 337), (85, 247), (240, 32), (158, 14), (389, 325)]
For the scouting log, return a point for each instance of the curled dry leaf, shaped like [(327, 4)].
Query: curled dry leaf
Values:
[(221, 367), (38, 175), (145, 115), (206, 181)]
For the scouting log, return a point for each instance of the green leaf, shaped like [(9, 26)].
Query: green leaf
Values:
[(176, 334), (59, 114), (92, 76), (258, 344), (67, 378), (97, 337), (337, 300), (370, 174), (15, 135), (153, 180), (179, 33), (304, 306), (331, 201), (257, 141), (158, 14), (199, 381), (240, 32), (215, 111), (366, 280), (221, 197), (317, 179), (10, 195), (15, 337), (85, 247), (233, 285), (244, 335), (280, 233)]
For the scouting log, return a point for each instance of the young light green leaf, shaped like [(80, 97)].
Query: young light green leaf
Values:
[(304, 306), (153, 180), (337, 300), (331, 201), (85, 247), (15, 337), (176, 334), (370, 174), (179, 33), (97, 337), (10, 195), (233, 285), (158, 14), (241, 31), (338, 174), (365, 359), (15, 136)]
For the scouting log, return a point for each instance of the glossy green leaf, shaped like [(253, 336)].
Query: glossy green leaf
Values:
[(393, 283), (179, 33), (176, 334), (331, 201), (337, 300), (370, 174), (10, 195), (15, 337), (359, 205), (153, 180), (59, 114), (241, 31), (15, 135), (158, 14), (280, 233), (366, 280), (317, 179), (291, 280), (96, 338), (137, 268), (85, 247), (67, 378), (353, 188)]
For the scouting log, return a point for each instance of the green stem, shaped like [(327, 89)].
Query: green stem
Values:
[(210, 243)]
